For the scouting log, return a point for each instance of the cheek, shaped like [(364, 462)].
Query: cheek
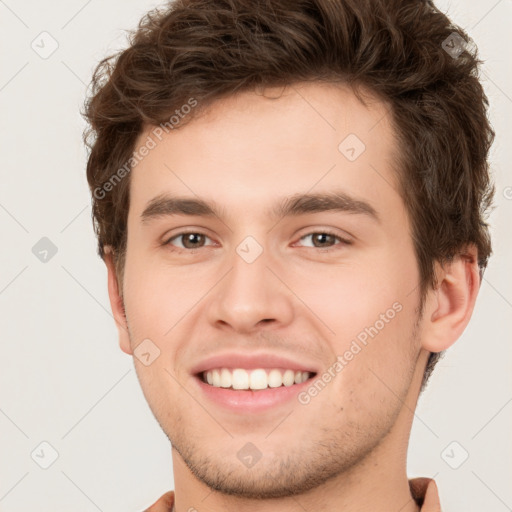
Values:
[(381, 370), (349, 298), (373, 377), (370, 312), (158, 297)]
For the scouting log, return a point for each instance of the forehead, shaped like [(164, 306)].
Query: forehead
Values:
[(248, 148)]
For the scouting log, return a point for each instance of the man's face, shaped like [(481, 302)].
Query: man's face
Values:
[(251, 285)]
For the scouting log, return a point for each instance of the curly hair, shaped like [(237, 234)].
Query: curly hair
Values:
[(405, 52)]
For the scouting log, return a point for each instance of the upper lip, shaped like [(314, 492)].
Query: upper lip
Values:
[(251, 361)]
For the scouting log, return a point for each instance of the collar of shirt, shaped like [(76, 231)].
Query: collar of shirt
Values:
[(423, 490)]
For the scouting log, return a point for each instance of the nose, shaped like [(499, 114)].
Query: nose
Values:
[(251, 295)]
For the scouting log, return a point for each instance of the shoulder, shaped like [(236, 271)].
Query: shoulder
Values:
[(425, 493), (164, 504)]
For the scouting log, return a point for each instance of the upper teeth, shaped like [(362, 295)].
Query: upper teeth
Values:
[(238, 378)]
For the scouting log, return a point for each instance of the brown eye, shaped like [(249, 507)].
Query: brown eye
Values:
[(190, 240), (325, 240)]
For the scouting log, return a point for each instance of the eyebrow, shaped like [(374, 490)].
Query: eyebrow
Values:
[(165, 205)]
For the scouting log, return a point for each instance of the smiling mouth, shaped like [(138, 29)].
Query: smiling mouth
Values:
[(257, 379)]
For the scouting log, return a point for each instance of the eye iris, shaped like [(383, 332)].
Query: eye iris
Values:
[(189, 238), (321, 237)]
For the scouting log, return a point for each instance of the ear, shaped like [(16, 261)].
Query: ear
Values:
[(449, 307), (116, 302)]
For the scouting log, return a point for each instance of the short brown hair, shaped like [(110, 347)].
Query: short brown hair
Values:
[(397, 49)]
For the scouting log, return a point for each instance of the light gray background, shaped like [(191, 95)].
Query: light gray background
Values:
[(63, 378)]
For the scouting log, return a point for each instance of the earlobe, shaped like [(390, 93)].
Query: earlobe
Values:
[(449, 307), (116, 303)]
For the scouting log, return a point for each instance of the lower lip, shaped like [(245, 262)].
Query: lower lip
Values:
[(252, 401)]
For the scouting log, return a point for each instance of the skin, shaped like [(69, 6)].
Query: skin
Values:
[(346, 449)]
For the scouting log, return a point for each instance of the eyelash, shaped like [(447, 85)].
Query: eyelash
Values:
[(322, 232)]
